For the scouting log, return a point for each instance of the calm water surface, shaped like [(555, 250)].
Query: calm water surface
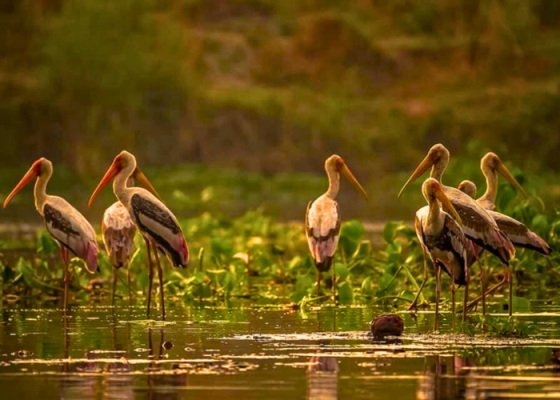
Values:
[(242, 352)]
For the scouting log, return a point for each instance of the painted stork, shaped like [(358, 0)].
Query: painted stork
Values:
[(66, 225), (478, 226), (118, 236), (517, 232), (322, 219), (153, 219), (441, 236), (490, 165)]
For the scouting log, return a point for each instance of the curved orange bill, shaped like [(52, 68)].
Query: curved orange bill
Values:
[(502, 169), (423, 167), (440, 195), (27, 178), (108, 177), (139, 175), (345, 171)]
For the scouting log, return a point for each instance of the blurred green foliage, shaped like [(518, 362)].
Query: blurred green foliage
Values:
[(270, 86)]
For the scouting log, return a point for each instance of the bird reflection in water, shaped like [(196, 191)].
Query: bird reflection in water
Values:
[(162, 385), (118, 380), (79, 380), (445, 378), (322, 378)]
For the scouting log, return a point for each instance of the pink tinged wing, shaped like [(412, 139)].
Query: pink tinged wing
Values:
[(157, 222), (71, 230), (479, 226), (180, 245), (325, 248), (519, 234), (90, 256)]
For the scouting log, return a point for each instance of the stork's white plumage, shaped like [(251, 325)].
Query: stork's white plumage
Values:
[(118, 233), (66, 225), (322, 219), (153, 219)]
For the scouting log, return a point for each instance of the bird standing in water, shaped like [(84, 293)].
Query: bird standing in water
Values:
[(66, 225), (154, 220), (322, 219), (478, 226), (441, 236), (517, 232)]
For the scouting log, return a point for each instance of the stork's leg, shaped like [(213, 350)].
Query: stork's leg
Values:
[(415, 302), (453, 289), (510, 280), (114, 285), (436, 270), (318, 282), (128, 281), (482, 282), (490, 291), (160, 276), (335, 299), (65, 260), (465, 299), (150, 275)]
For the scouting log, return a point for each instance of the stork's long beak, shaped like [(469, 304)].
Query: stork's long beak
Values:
[(502, 169), (345, 171), (27, 178), (423, 167), (139, 175), (109, 175), (440, 195)]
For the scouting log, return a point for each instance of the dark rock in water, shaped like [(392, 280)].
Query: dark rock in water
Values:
[(387, 325)]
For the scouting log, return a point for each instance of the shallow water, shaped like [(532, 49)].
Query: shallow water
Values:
[(244, 352)]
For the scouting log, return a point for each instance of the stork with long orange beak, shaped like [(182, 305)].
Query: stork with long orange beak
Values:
[(441, 236), (153, 219), (491, 165), (517, 232), (66, 225), (479, 226), (322, 219)]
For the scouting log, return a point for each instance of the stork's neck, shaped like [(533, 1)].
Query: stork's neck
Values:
[(334, 183), (438, 169), (491, 185), (41, 195), (120, 186), (435, 216)]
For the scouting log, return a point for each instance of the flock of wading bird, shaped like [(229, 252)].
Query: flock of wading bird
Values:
[(453, 229)]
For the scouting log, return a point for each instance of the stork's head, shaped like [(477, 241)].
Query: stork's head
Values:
[(468, 187), (41, 167), (432, 189), (491, 163), (336, 163), (123, 162), (437, 155)]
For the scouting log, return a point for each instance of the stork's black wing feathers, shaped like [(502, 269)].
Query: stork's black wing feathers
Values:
[(141, 206)]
